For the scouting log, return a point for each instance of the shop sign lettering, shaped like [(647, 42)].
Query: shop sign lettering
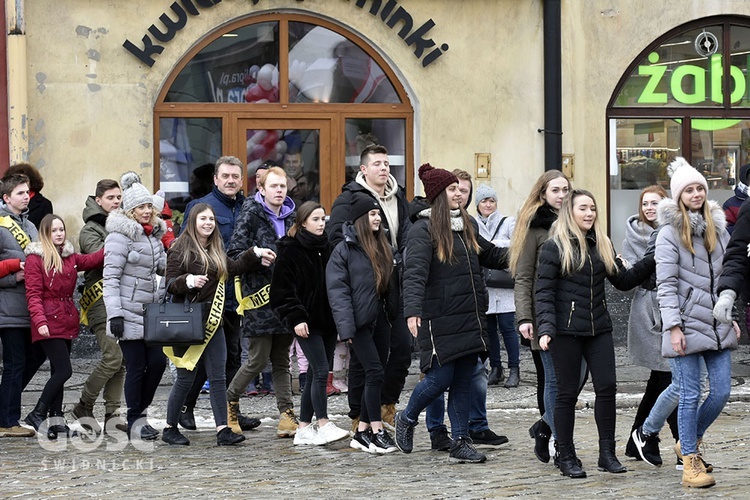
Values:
[(389, 12), (697, 78)]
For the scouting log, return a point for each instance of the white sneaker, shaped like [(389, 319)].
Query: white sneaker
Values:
[(329, 433), (307, 435)]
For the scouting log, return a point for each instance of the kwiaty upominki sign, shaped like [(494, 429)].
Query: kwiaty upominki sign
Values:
[(153, 43)]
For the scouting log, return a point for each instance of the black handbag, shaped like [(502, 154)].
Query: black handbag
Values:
[(497, 278), (173, 324)]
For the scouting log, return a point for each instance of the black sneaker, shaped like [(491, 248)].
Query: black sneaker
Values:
[(462, 451), (648, 447), (440, 440), (382, 442), (487, 437), (226, 437), (362, 440), (404, 433), (247, 423), (631, 450)]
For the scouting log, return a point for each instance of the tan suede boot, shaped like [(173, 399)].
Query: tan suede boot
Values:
[(694, 474), (233, 408)]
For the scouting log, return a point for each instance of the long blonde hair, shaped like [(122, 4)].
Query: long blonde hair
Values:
[(51, 258), (528, 210), (686, 235), (213, 256), (565, 230)]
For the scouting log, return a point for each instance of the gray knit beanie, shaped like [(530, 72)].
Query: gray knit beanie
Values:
[(483, 192), (134, 194)]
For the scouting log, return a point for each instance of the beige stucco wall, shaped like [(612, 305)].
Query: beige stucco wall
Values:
[(90, 101)]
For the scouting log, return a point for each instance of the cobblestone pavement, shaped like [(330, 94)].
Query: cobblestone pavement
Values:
[(268, 467)]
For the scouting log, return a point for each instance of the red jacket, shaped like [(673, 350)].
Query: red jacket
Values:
[(50, 294), (9, 266)]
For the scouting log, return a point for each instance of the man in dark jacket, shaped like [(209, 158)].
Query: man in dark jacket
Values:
[(20, 358), (226, 200), (374, 178)]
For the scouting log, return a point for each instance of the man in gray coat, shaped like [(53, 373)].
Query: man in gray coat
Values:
[(20, 359)]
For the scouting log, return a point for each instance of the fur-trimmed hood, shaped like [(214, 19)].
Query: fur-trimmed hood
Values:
[(35, 248), (668, 213), (119, 222)]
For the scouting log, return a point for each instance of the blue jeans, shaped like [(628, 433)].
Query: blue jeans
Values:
[(668, 400), (694, 421), (457, 375), (550, 391), (506, 323), (435, 414)]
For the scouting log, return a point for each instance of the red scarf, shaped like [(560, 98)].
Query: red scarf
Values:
[(148, 229)]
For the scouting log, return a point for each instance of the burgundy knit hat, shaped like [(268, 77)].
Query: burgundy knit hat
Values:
[(435, 180)]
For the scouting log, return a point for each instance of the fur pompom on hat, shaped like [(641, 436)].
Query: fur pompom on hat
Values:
[(485, 191), (435, 180), (159, 200), (683, 174), (134, 194), (361, 205)]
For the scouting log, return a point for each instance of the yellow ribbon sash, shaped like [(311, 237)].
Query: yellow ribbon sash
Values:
[(193, 353), (254, 301), (90, 296), (13, 228)]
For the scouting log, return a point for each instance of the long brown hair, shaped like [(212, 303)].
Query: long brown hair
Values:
[(442, 231), (51, 258), (378, 250), (212, 256), (686, 235), (655, 189), (303, 212), (528, 210), (565, 230)]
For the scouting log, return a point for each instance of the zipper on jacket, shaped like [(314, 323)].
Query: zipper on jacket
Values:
[(476, 304), (713, 302), (591, 292), (570, 316), (432, 340), (135, 287)]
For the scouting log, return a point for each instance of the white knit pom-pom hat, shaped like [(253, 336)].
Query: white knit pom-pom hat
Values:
[(683, 174)]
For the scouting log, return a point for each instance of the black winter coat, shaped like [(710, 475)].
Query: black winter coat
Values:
[(354, 298), (450, 298), (298, 286), (576, 304), (735, 272)]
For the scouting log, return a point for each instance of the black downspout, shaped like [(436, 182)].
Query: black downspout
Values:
[(552, 85)]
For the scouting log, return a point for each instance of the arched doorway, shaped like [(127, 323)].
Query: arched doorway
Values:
[(289, 89), (674, 100)]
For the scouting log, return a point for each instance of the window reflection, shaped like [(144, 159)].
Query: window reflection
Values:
[(324, 66), (238, 67), (363, 132)]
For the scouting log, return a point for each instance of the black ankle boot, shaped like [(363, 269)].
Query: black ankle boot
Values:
[(187, 418), (541, 433), (495, 376), (569, 463), (607, 459), (172, 435), (38, 415), (57, 426)]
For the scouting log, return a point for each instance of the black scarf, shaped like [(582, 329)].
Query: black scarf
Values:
[(545, 216), (312, 241)]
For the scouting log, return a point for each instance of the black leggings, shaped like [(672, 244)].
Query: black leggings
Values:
[(318, 348), (370, 348), (568, 352), (58, 353), (144, 366), (539, 380)]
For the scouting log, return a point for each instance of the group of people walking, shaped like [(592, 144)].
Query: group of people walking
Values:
[(379, 274)]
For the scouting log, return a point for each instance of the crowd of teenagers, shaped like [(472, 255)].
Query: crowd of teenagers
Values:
[(379, 277)]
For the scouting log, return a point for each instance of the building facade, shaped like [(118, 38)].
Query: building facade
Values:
[(165, 87)]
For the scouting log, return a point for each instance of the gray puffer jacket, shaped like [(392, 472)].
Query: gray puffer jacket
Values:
[(14, 313), (687, 282), (131, 262)]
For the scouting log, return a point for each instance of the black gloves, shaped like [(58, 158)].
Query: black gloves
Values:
[(117, 327)]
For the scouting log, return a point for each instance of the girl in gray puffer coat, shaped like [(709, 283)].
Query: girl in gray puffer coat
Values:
[(689, 253), (133, 256)]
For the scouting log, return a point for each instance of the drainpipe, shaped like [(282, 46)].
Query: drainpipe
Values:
[(18, 137), (552, 85)]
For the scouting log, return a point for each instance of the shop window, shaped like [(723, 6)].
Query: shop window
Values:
[(362, 132), (324, 66), (243, 60)]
